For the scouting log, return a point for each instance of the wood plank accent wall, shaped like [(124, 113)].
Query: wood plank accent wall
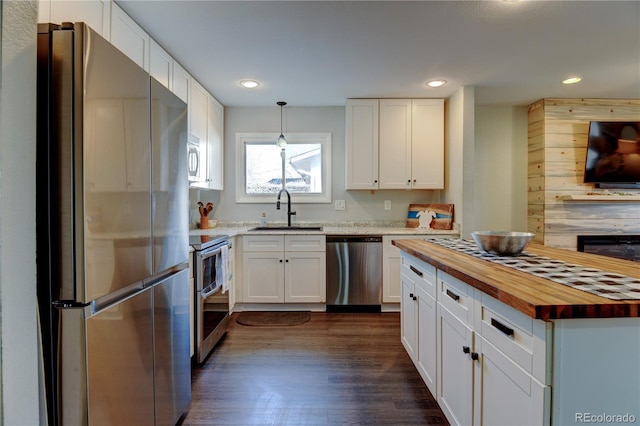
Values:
[(557, 132)]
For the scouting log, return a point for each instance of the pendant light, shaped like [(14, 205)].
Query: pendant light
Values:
[(281, 142)]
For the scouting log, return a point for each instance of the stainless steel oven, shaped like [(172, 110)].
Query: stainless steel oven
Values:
[(211, 298)]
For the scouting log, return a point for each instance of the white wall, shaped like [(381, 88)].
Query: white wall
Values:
[(19, 350), (500, 198), (459, 163), (360, 205)]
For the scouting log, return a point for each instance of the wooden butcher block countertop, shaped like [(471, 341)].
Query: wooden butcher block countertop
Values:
[(536, 297)]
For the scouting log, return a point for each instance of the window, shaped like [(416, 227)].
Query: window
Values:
[(307, 167)]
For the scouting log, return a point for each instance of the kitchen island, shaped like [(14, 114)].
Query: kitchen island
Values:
[(496, 345)]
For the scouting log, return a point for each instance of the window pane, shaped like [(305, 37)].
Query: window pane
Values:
[(303, 168)]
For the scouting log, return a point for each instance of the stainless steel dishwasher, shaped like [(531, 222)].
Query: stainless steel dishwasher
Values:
[(354, 273)]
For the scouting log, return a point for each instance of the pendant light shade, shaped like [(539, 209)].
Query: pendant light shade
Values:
[(281, 142)]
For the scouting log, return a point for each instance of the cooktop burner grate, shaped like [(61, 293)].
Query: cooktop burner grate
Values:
[(602, 283)]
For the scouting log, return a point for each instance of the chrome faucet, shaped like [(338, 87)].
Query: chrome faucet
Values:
[(289, 212)]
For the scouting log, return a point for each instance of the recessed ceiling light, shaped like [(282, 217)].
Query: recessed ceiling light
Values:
[(571, 80), (249, 84), (436, 83)]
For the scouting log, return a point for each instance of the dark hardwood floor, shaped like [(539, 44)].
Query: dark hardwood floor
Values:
[(338, 368)]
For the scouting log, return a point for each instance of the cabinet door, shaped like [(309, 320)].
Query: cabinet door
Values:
[(395, 144), (362, 143), (160, 64), (95, 13), (215, 136), (263, 277), (129, 37), (181, 81), (505, 393), (408, 326), (198, 104), (427, 326), (390, 271), (427, 144), (305, 277), (455, 372)]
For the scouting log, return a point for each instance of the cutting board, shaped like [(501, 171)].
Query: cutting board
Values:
[(433, 216)]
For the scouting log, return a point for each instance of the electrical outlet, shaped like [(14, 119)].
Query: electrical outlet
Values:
[(387, 204), (340, 205)]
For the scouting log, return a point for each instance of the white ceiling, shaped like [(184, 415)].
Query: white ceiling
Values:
[(319, 53)]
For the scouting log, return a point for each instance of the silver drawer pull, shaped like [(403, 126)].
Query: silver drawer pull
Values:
[(453, 295), (417, 272), (500, 326)]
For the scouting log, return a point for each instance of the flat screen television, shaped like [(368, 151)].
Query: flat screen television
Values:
[(613, 154)]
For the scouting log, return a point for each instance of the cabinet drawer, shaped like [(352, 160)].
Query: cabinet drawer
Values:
[(455, 296), (305, 243), (515, 334), (423, 274), (263, 243)]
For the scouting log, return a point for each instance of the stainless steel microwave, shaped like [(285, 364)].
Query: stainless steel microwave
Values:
[(196, 155)]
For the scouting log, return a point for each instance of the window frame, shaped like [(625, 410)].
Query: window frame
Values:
[(322, 138)]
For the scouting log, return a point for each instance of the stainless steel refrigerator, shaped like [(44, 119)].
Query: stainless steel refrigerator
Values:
[(112, 237)]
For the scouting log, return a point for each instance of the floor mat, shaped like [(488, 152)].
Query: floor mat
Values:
[(273, 318)]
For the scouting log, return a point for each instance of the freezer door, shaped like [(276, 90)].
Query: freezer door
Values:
[(120, 363), (172, 348), (169, 183)]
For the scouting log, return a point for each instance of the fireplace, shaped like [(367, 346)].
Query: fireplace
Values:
[(620, 246)]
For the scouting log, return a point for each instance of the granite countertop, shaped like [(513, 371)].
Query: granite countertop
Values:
[(335, 228)]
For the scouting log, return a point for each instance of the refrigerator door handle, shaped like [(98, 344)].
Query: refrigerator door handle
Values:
[(67, 230), (101, 304), (161, 276)]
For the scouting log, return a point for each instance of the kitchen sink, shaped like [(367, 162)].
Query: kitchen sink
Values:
[(287, 228)]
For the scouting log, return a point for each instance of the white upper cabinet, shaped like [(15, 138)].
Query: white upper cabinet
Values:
[(160, 64), (198, 103), (129, 37), (180, 82), (362, 143), (206, 114), (215, 135), (95, 13), (206, 123), (427, 144), (395, 143)]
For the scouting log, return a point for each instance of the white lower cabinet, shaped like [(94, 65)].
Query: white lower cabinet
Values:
[(418, 313), (284, 269), (455, 370), (408, 317), (504, 393), (497, 379)]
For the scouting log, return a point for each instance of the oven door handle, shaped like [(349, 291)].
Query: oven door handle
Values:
[(212, 252), (206, 292)]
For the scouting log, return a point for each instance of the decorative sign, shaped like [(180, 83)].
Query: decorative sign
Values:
[(434, 216)]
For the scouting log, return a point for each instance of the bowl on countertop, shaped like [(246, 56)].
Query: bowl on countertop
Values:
[(502, 243)]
